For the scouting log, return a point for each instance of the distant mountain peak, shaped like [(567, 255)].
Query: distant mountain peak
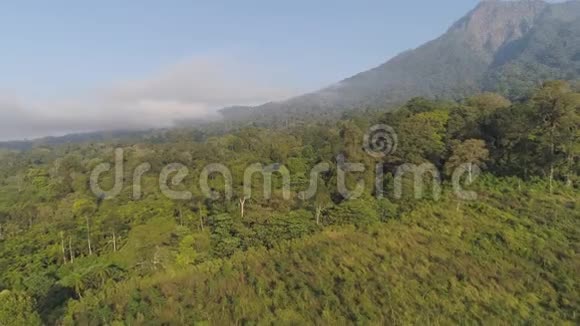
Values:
[(494, 23), (508, 47)]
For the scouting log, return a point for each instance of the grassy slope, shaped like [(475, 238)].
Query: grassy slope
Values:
[(510, 257)]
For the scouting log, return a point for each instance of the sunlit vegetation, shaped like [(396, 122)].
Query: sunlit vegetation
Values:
[(70, 257)]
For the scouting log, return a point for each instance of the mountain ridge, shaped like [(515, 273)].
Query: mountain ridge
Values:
[(470, 57), (508, 47)]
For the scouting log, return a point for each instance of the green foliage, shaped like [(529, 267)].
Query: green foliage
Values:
[(358, 212), (471, 151), (17, 309), (488, 102), (69, 257), (549, 51), (493, 261), (422, 136)]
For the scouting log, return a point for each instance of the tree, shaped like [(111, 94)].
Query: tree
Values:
[(488, 102), (421, 137), (17, 309), (75, 280), (224, 241), (114, 224), (85, 208), (242, 202), (421, 104), (557, 119), (202, 213), (508, 133), (463, 123), (321, 200), (471, 152)]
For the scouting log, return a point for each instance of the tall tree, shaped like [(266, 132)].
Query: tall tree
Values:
[(421, 137), (85, 208), (322, 200), (471, 152), (557, 118)]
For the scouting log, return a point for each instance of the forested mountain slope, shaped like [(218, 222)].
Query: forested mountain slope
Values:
[(69, 255), (508, 47), (505, 46), (510, 258)]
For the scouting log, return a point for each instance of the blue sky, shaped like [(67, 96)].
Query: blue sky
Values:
[(60, 57), (51, 48)]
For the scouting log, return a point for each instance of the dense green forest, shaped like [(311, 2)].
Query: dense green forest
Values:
[(511, 255)]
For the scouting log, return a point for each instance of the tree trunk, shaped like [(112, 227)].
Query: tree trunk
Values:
[(62, 247), (201, 222), (20, 184), (569, 174), (318, 212), (552, 151), (551, 177), (72, 255), (156, 258), (242, 203), (78, 291), (114, 241), (470, 170), (89, 236)]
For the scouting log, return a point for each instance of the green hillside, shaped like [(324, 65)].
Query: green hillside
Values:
[(490, 248), (512, 258)]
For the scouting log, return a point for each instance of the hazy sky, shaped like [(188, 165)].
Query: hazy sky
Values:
[(68, 66)]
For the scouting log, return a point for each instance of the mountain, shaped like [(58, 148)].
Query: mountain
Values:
[(509, 47), (98, 136), (504, 46)]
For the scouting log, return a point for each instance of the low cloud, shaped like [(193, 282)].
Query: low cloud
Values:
[(194, 89)]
